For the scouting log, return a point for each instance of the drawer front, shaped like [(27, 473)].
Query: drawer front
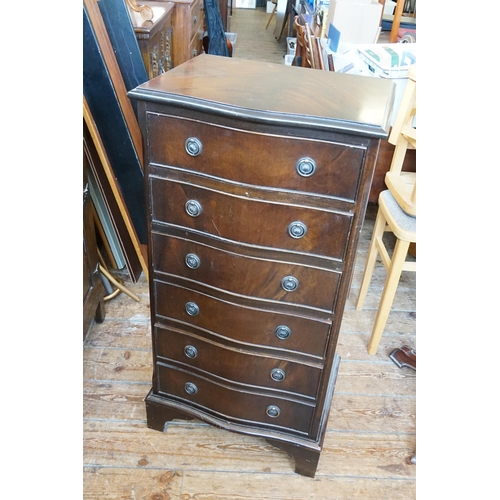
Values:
[(235, 365), (197, 16), (239, 274), (230, 403), (265, 224), (257, 159), (196, 45), (243, 324)]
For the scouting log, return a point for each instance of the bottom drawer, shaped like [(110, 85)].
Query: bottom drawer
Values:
[(225, 402)]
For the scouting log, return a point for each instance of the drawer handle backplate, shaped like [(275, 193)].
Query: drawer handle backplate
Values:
[(297, 229), (190, 351), (190, 388), (193, 208), (289, 283), (306, 167), (282, 332), (277, 374), (193, 145), (192, 309), (273, 411), (192, 261)]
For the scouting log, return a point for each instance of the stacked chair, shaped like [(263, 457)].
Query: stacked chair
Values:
[(397, 210)]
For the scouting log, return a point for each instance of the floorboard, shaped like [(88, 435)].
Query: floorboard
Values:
[(371, 433)]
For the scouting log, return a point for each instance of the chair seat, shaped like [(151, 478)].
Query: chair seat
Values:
[(404, 226)]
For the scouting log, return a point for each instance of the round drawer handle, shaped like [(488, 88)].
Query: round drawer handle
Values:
[(190, 388), (278, 375), (192, 261), (195, 19), (289, 283), (190, 351), (193, 208), (306, 167), (193, 145), (282, 332), (297, 229), (273, 411), (192, 309)]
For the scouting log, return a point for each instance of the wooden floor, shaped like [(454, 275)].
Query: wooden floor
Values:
[(371, 433)]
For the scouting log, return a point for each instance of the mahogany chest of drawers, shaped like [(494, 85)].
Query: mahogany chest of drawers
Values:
[(257, 180)]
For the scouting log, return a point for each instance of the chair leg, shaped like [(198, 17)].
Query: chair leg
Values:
[(271, 16), (378, 231), (390, 286)]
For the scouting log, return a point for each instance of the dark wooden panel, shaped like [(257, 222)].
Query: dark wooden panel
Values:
[(93, 289), (123, 39), (130, 253), (110, 120)]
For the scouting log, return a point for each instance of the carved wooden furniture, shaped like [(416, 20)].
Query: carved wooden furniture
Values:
[(188, 23), (257, 192), (155, 37)]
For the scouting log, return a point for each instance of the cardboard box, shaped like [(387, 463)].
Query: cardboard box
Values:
[(357, 20)]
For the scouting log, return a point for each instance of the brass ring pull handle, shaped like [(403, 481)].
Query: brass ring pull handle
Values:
[(273, 411), (193, 145), (289, 283), (193, 208), (297, 230), (190, 388), (192, 261), (190, 351), (192, 309), (282, 332), (277, 374), (306, 167)]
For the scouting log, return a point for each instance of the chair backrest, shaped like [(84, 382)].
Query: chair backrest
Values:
[(300, 51), (308, 46), (403, 185)]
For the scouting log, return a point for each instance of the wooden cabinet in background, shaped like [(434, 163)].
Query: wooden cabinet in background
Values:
[(256, 199), (155, 37), (188, 23)]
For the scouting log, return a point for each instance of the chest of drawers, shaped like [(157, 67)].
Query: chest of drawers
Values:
[(257, 179)]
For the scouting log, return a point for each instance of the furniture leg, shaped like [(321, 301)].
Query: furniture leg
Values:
[(390, 286), (378, 231), (306, 460), (158, 414)]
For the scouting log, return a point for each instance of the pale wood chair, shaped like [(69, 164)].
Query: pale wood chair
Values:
[(396, 213), (403, 185), (390, 217)]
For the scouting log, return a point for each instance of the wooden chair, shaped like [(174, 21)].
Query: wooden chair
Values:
[(308, 47), (396, 213), (390, 217), (300, 49), (275, 2), (403, 185)]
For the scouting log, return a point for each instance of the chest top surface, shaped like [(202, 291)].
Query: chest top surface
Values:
[(267, 92)]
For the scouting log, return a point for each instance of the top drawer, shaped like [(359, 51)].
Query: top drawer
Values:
[(304, 165)]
